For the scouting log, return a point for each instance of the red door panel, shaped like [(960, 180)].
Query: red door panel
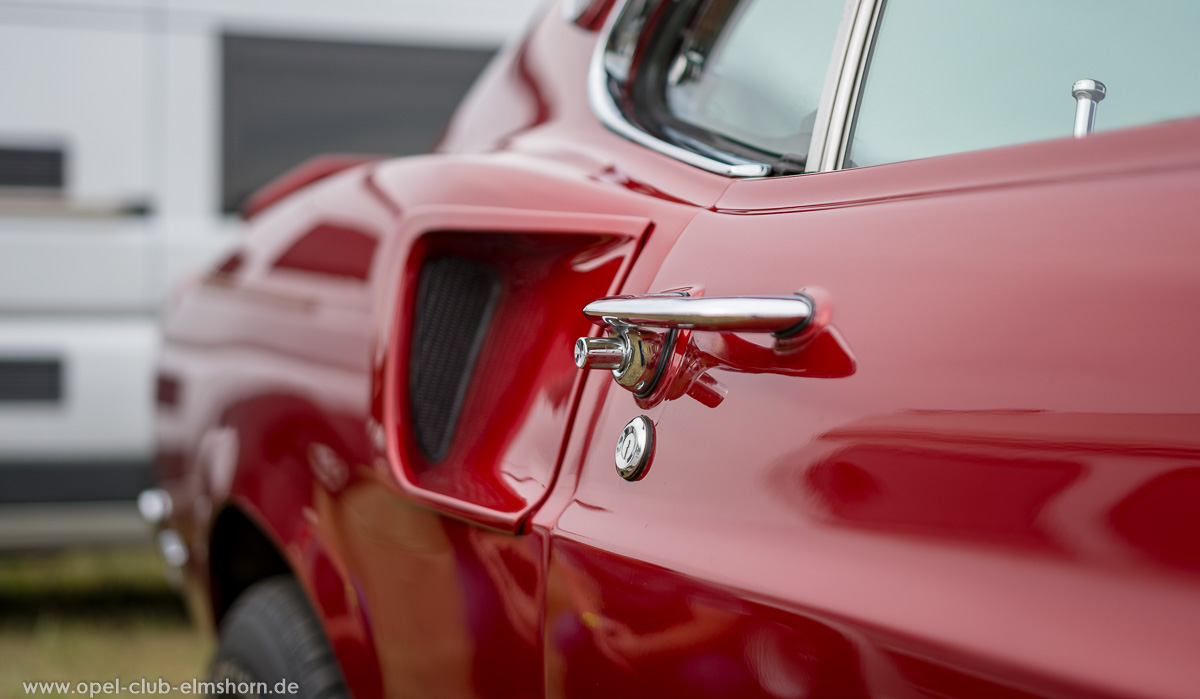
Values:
[(621, 628), (993, 497)]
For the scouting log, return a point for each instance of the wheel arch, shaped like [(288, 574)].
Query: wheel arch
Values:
[(241, 553)]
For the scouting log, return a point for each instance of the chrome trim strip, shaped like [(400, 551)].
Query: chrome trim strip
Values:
[(765, 314), (607, 112), (847, 91), (837, 63)]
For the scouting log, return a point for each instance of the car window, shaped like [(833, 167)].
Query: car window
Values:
[(753, 71), (946, 76)]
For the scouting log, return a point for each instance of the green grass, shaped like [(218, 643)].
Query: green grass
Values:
[(95, 615)]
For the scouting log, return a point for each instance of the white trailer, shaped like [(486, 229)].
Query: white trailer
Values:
[(130, 131)]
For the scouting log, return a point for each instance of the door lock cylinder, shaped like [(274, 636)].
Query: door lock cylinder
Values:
[(632, 354)]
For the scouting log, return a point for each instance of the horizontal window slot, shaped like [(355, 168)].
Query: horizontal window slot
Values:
[(40, 168), (31, 380)]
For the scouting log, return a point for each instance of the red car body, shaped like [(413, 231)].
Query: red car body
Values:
[(980, 480)]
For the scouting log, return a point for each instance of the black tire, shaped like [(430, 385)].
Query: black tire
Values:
[(270, 635)]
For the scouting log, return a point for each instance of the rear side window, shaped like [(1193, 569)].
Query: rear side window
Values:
[(735, 82), (946, 76), (751, 73)]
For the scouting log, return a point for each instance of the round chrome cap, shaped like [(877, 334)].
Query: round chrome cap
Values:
[(635, 447), (1092, 89)]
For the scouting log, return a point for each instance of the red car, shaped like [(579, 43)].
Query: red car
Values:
[(724, 348)]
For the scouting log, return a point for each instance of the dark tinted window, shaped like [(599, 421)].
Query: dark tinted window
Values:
[(288, 100), (24, 380), (41, 168)]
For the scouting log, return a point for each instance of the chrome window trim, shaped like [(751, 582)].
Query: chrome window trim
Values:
[(838, 160), (849, 83), (844, 53)]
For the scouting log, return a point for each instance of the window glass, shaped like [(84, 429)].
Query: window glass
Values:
[(753, 71), (287, 100), (38, 168), (947, 76)]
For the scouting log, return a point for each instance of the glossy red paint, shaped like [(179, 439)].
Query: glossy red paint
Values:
[(299, 177), (958, 494), (974, 476)]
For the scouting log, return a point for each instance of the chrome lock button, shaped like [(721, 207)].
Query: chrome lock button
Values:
[(633, 356), (634, 448), (601, 353)]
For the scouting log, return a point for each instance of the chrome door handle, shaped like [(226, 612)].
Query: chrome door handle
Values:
[(782, 316), (636, 354)]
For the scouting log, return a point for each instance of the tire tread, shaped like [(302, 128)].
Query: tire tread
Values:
[(279, 608)]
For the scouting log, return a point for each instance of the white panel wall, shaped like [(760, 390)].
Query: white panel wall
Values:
[(190, 228), (108, 403), (131, 89), (78, 80), (438, 22), (54, 265), (88, 89), (449, 22)]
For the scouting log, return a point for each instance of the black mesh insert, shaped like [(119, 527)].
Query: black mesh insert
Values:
[(30, 380), (455, 301)]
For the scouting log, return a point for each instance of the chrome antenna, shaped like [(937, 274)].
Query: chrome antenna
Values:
[(1087, 94)]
